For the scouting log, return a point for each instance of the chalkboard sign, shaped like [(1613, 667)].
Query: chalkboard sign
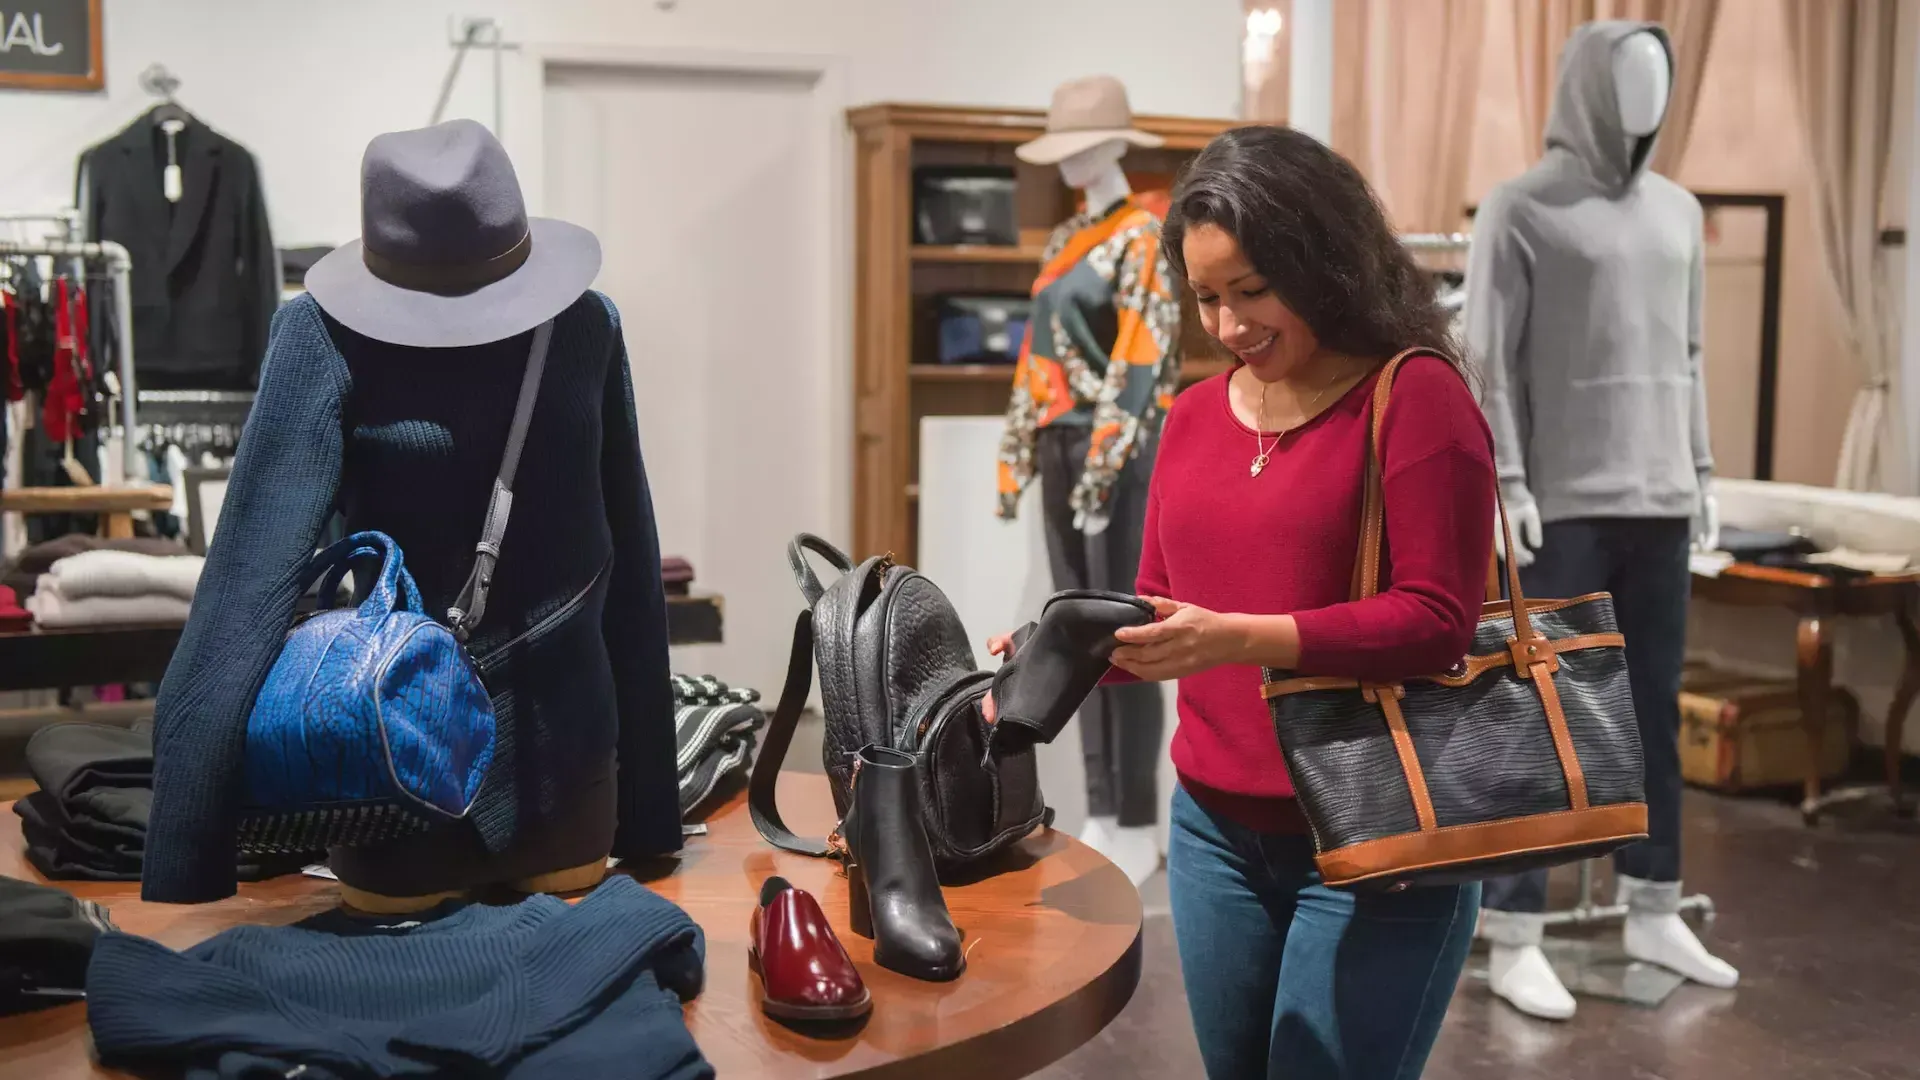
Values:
[(51, 45)]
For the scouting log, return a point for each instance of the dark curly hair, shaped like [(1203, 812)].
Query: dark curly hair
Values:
[(1310, 224)]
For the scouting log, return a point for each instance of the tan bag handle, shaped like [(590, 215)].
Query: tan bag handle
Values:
[(1534, 658), (1373, 515)]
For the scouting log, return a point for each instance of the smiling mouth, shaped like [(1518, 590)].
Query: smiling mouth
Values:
[(1253, 351)]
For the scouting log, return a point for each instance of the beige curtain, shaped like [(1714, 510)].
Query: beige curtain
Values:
[(1843, 55), (1406, 79), (1541, 27)]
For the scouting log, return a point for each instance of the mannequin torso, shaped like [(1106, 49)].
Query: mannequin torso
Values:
[(1606, 259)]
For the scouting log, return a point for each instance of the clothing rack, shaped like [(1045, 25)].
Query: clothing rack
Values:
[(1436, 241), (119, 267)]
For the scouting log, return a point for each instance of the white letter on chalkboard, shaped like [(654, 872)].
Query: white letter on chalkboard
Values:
[(40, 40), (33, 36)]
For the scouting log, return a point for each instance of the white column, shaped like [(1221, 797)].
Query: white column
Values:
[(1310, 82)]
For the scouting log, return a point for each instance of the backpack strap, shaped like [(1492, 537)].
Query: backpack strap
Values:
[(762, 800), (471, 605)]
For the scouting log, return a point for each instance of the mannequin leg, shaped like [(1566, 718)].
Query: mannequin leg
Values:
[(1060, 454), (1573, 561), (1650, 600), (1132, 715)]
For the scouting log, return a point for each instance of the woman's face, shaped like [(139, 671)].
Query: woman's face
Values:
[(1239, 308)]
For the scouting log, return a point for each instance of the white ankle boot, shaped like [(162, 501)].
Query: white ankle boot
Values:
[(1517, 971), (1656, 934), (1136, 851), (1097, 833)]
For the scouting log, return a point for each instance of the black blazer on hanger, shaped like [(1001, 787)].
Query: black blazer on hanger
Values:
[(206, 278)]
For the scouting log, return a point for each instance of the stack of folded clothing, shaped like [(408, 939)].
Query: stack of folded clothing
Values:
[(676, 574), (541, 988), (88, 821), (46, 939), (115, 588), (22, 575), (714, 723)]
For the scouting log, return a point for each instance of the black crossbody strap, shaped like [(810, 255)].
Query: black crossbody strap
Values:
[(471, 605), (762, 798)]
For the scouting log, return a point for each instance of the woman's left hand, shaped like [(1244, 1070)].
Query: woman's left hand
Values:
[(1186, 639)]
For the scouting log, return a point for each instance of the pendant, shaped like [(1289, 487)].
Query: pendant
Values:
[(1259, 463)]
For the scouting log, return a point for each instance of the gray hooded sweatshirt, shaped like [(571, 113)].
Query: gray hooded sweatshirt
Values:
[(1584, 286)]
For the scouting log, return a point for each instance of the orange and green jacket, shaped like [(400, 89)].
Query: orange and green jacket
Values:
[(1102, 351)]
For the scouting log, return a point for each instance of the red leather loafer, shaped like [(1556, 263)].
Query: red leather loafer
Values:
[(805, 973)]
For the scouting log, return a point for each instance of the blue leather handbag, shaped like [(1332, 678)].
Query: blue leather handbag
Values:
[(373, 721)]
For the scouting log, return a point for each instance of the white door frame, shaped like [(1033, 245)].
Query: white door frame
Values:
[(526, 142)]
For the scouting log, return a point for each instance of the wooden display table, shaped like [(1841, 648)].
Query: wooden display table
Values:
[(103, 655), (1053, 954), (1819, 600)]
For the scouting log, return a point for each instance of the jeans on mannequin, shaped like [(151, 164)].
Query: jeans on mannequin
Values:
[(1643, 563), (1120, 726)]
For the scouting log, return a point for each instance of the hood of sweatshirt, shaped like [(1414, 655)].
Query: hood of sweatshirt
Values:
[(1585, 120)]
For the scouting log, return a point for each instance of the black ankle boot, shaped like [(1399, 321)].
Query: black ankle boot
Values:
[(893, 891), (1057, 662)]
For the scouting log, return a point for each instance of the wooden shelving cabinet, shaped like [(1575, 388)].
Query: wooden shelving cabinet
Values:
[(895, 384)]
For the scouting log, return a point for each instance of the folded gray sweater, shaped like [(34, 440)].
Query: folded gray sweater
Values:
[(1584, 290)]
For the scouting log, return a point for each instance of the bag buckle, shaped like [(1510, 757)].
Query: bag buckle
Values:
[(1533, 656), (1371, 693)]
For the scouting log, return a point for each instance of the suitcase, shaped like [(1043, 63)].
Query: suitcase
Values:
[(1739, 733)]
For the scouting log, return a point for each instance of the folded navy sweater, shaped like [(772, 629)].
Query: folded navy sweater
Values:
[(541, 988)]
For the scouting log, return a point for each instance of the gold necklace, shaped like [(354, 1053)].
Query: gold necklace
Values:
[(1262, 451)]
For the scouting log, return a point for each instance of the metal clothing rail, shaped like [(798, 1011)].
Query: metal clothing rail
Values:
[(1436, 241), (120, 271)]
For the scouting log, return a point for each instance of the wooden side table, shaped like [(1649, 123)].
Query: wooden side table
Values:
[(1820, 601)]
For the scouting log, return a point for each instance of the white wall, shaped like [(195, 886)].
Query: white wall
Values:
[(305, 85)]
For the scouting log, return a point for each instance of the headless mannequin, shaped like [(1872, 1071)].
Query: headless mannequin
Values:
[(1095, 172), (1520, 973)]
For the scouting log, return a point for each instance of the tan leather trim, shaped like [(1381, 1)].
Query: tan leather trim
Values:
[(1283, 687), (1538, 607), (1461, 844), (1389, 699), (1562, 741), (1472, 668)]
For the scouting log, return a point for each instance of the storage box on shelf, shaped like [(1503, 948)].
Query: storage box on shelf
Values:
[(896, 378)]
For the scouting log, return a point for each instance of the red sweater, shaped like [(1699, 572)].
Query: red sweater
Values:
[(1284, 543)]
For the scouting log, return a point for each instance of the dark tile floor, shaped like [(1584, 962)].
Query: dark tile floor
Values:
[(1824, 925)]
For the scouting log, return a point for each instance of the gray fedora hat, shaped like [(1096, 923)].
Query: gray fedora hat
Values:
[(447, 255)]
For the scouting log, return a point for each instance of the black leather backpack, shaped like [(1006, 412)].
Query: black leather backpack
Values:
[(896, 671)]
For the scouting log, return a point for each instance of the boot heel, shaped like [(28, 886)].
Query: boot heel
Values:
[(859, 906)]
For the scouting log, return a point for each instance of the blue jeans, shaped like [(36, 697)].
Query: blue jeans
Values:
[(1289, 978)]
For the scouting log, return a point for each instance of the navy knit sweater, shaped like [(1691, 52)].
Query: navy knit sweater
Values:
[(538, 989), (408, 441)]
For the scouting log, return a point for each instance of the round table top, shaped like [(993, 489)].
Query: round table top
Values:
[(1052, 938)]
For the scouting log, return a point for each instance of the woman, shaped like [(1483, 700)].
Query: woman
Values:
[(1252, 525)]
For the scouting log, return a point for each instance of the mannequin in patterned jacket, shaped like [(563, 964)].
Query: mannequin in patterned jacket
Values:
[(1096, 374)]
